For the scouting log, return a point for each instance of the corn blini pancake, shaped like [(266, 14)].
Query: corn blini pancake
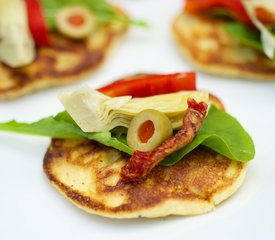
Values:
[(209, 47), (63, 62), (88, 174)]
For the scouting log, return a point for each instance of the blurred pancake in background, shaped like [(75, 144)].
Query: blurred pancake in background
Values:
[(226, 39)]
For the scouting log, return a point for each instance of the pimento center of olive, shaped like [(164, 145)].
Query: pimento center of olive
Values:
[(146, 131), (76, 20)]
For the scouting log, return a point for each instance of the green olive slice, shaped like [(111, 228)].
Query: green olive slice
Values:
[(148, 130), (75, 21)]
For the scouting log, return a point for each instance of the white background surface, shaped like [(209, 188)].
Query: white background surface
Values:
[(30, 208)]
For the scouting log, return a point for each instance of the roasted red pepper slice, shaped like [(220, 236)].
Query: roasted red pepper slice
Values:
[(143, 162), (234, 6), (37, 22), (152, 84)]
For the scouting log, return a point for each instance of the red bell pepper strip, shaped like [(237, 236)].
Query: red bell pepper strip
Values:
[(234, 6), (37, 22), (153, 84)]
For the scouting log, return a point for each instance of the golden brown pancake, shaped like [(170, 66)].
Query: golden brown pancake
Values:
[(88, 174), (207, 45), (63, 62)]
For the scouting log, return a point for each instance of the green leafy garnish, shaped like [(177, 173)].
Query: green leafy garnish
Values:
[(63, 126), (103, 11), (244, 35), (220, 132)]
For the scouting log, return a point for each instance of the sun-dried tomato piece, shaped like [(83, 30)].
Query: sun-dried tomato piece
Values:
[(143, 162)]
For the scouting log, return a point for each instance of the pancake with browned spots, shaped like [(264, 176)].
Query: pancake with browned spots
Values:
[(63, 62), (88, 174), (207, 45)]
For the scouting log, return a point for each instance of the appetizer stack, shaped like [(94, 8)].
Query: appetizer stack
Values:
[(157, 147)]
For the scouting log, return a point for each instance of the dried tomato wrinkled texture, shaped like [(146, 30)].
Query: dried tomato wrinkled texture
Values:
[(143, 162)]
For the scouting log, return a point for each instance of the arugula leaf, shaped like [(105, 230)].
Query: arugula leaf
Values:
[(244, 35), (63, 126), (220, 132), (45, 127), (103, 11)]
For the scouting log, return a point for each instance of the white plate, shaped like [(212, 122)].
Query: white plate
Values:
[(30, 208)]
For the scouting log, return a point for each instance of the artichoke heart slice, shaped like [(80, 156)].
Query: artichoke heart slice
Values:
[(172, 104), (92, 110), (96, 112)]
